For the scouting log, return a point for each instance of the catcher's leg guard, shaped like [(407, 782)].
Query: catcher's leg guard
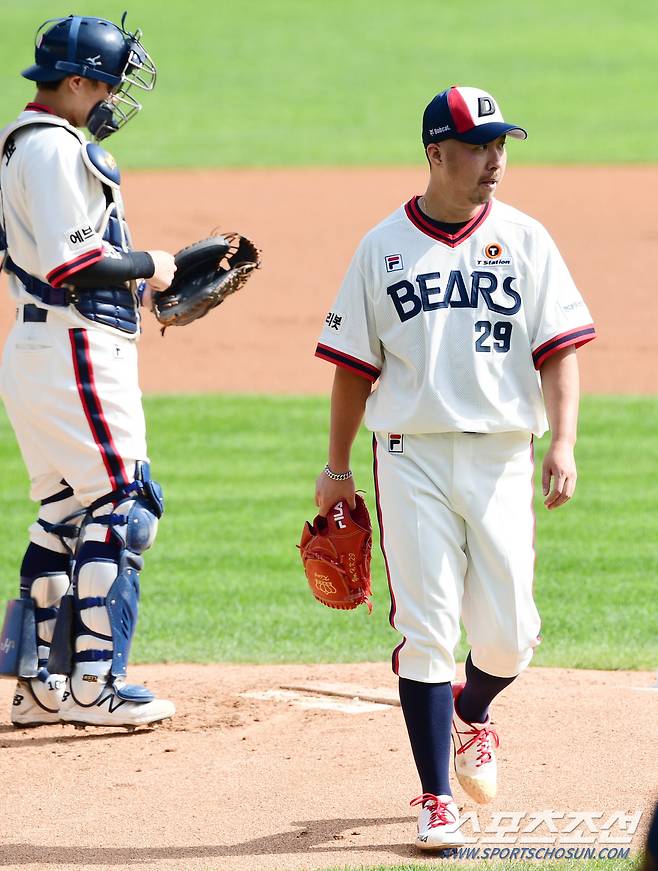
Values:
[(44, 580), (117, 529)]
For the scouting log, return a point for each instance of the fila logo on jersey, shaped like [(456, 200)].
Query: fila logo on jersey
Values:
[(456, 291), (394, 262), (395, 443)]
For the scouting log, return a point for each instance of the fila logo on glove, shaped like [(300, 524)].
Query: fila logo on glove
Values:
[(454, 291), (339, 515)]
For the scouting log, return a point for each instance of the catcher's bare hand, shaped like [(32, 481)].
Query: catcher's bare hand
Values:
[(328, 492), (165, 269), (559, 467)]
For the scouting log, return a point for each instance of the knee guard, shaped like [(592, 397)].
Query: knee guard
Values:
[(115, 532), (30, 621)]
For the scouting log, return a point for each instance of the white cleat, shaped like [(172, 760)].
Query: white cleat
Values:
[(474, 756), (36, 702), (438, 823), (110, 709)]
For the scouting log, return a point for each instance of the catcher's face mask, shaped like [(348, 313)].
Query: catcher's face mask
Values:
[(138, 73)]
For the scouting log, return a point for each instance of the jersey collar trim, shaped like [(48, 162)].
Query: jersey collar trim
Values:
[(413, 212), (38, 107)]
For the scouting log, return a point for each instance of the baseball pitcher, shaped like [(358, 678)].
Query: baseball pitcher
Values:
[(462, 311)]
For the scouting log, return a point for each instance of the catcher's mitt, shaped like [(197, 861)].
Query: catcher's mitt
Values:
[(335, 551), (206, 273)]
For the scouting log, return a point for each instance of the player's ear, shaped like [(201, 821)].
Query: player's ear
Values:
[(434, 155), (74, 83)]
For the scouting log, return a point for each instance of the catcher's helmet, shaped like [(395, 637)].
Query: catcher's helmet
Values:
[(96, 49)]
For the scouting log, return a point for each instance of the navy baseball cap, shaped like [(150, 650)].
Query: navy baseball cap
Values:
[(467, 114)]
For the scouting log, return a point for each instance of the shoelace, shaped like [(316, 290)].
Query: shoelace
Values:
[(440, 813), (482, 738)]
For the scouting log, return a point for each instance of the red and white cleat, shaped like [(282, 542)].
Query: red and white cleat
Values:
[(438, 822), (474, 757)]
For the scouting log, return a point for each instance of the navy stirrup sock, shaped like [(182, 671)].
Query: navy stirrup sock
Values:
[(427, 709), (480, 690)]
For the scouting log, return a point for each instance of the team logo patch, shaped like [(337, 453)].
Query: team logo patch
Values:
[(493, 251), (486, 106), (395, 443), (10, 148), (394, 262), (334, 321), (324, 585), (79, 235)]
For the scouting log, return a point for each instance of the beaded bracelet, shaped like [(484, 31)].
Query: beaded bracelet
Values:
[(337, 476)]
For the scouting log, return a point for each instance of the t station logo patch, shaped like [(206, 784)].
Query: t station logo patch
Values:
[(493, 255), (493, 251)]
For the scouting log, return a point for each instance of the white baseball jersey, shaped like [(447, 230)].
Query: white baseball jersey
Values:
[(69, 382), (455, 327), (54, 207)]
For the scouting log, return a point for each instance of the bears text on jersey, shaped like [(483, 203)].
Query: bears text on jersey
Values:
[(455, 291)]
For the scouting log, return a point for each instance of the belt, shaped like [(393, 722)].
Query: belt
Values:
[(33, 314)]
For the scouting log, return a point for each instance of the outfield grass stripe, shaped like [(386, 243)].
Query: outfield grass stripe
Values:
[(345, 82), (224, 581)]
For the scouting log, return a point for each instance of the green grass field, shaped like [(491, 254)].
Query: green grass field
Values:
[(344, 82), (224, 581)]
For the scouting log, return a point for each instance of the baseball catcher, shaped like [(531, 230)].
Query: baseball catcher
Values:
[(206, 273), (76, 411), (335, 551)]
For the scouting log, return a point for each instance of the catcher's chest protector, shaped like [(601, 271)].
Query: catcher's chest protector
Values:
[(112, 306)]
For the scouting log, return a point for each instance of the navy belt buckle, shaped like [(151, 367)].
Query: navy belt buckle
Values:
[(33, 314)]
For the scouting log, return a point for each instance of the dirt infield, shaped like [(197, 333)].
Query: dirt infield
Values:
[(243, 783), (308, 222)]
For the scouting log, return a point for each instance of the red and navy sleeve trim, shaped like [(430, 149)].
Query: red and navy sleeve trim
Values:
[(418, 219), (577, 337), (345, 361), (58, 276)]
